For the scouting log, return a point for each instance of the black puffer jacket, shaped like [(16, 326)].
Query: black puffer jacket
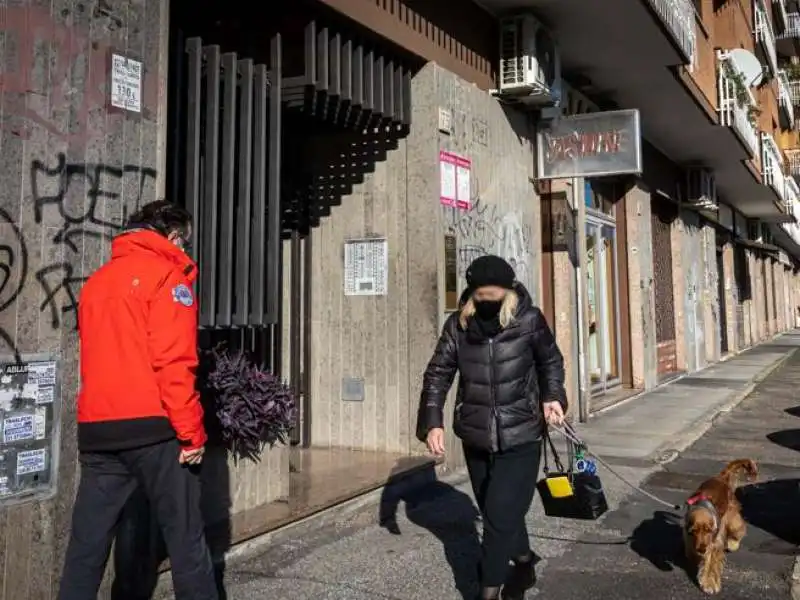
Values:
[(502, 381)]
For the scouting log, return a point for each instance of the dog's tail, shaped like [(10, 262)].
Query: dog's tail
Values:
[(736, 470)]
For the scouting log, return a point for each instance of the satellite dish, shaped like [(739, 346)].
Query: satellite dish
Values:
[(748, 65)]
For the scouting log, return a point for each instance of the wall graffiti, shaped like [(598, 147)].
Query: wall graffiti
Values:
[(77, 75), (50, 186), (71, 200), (487, 229)]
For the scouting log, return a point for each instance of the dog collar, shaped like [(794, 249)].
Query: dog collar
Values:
[(702, 501)]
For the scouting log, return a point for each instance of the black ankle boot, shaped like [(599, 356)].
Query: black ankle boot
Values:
[(520, 580)]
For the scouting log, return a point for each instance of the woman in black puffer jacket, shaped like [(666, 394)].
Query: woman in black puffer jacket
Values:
[(511, 384)]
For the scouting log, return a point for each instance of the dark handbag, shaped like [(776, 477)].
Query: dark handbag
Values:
[(567, 493)]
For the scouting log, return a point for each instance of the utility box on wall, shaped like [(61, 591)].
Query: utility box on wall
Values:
[(30, 425)]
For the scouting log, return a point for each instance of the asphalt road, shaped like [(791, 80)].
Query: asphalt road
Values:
[(766, 427)]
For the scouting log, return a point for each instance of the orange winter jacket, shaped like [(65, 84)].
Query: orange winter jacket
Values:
[(137, 319)]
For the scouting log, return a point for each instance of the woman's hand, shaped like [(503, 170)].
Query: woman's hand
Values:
[(553, 413), (435, 441)]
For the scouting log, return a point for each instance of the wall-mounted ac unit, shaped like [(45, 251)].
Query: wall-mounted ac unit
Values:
[(701, 189), (530, 64)]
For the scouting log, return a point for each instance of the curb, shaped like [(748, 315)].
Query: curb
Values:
[(669, 451)]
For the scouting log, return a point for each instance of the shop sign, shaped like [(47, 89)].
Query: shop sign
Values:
[(590, 145)]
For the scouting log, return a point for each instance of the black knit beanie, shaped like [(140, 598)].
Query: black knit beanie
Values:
[(490, 270)]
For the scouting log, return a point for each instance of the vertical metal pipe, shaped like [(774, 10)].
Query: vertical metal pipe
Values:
[(243, 217), (274, 196), (295, 324), (208, 264), (225, 267), (308, 269), (194, 51), (259, 259)]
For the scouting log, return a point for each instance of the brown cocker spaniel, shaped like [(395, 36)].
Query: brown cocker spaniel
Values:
[(714, 523)]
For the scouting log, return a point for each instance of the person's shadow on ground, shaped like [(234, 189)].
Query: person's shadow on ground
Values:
[(660, 541), (446, 512), (772, 507)]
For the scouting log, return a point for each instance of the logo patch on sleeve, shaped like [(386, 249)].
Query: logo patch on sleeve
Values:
[(181, 293)]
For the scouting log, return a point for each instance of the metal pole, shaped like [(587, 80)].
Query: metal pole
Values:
[(579, 214)]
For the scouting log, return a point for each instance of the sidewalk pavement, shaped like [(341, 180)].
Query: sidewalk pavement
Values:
[(433, 551)]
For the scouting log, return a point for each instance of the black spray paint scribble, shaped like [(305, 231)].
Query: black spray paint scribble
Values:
[(94, 184), (13, 271), (79, 193), (485, 229)]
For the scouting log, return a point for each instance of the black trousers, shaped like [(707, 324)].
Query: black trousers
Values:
[(107, 481), (504, 484)]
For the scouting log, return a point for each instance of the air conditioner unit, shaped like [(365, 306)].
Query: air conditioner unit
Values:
[(701, 189), (530, 65)]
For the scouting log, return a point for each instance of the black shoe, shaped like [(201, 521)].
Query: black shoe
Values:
[(520, 580)]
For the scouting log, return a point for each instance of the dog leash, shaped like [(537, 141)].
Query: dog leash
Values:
[(570, 435)]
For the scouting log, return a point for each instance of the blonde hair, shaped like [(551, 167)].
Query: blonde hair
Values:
[(507, 310)]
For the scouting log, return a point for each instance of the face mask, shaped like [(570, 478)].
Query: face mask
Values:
[(488, 309)]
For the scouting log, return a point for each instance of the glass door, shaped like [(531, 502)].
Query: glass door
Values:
[(603, 353)]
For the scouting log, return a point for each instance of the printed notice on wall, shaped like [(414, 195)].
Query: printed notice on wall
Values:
[(454, 186), (29, 407), (31, 461), (126, 83), (366, 265)]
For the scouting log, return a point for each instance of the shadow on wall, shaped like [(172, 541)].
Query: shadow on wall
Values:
[(446, 512)]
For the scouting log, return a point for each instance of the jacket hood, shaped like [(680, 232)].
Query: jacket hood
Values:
[(143, 242), (525, 300)]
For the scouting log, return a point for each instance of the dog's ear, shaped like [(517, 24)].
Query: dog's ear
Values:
[(752, 470)]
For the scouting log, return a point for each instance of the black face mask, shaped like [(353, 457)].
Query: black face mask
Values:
[(487, 310)]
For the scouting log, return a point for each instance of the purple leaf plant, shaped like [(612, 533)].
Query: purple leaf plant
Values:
[(249, 407)]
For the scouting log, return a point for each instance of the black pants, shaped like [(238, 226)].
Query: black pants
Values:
[(503, 483), (107, 481)]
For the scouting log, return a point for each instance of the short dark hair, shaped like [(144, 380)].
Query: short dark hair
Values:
[(162, 216)]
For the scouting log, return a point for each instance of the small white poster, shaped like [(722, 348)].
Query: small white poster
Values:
[(366, 264), (31, 461), (5, 489), (126, 83), (40, 423), (42, 374), (45, 395), (18, 428)]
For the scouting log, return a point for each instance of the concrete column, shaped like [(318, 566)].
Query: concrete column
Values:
[(640, 281), (679, 290), (731, 297)]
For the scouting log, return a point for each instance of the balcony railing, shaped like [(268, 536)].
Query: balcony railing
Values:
[(735, 103), (792, 208), (785, 96), (779, 10), (772, 166), (679, 17), (792, 26), (765, 34), (794, 91), (792, 161)]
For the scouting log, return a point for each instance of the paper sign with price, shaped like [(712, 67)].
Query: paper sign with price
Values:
[(31, 461), (18, 428), (126, 83)]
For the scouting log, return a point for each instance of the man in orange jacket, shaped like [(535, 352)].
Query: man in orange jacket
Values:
[(140, 422)]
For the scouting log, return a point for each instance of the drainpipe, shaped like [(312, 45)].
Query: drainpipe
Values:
[(578, 216)]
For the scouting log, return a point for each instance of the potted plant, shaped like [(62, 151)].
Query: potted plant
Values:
[(247, 407)]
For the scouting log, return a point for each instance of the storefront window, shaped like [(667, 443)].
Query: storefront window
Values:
[(603, 352)]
